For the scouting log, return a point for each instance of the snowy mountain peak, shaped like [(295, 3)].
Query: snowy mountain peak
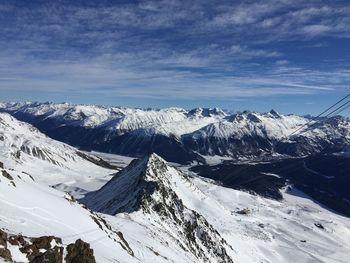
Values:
[(274, 113), (148, 188), (126, 189), (206, 112)]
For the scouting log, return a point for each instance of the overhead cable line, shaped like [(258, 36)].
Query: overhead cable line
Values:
[(341, 110), (338, 110), (319, 115)]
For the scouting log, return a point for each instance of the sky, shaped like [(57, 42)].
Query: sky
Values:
[(292, 56)]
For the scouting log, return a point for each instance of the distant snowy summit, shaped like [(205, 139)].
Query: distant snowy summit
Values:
[(184, 136)]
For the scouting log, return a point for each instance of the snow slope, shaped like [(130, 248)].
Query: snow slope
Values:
[(257, 229), (46, 160), (34, 210), (269, 231)]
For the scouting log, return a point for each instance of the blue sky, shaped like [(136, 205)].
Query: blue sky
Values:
[(293, 56)]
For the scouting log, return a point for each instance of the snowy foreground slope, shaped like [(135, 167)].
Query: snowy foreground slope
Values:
[(183, 136), (257, 229), (152, 212), (33, 210)]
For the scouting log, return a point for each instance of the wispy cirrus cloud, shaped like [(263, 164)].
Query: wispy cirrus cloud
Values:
[(178, 49)]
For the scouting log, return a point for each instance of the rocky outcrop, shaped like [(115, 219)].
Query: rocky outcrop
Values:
[(52, 247), (45, 249), (4, 252), (6, 174), (80, 252)]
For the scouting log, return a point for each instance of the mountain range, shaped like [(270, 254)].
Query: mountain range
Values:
[(185, 136)]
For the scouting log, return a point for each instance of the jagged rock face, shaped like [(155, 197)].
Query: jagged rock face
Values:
[(80, 252), (53, 253), (179, 135), (37, 250), (145, 187), (6, 175), (45, 249), (4, 252)]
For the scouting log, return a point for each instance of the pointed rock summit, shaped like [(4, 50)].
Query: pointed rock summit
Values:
[(149, 187), (274, 113), (127, 189)]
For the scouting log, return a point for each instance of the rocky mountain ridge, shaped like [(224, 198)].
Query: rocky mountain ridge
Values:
[(184, 136), (146, 186)]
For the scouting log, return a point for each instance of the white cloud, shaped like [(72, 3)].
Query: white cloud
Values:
[(315, 30), (168, 48)]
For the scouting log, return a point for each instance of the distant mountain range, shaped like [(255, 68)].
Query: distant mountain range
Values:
[(184, 136)]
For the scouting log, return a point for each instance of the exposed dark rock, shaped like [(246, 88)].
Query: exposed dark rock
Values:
[(102, 224), (80, 252), (18, 154), (54, 255), (245, 211), (3, 238), (45, 249), (4, 252), (320, 226), (17, 240), (6, 175)]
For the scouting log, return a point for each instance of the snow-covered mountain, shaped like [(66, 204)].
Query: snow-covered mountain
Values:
[(209, 223), (48, 161), (147, 212), (183, 136), (149, 187)]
